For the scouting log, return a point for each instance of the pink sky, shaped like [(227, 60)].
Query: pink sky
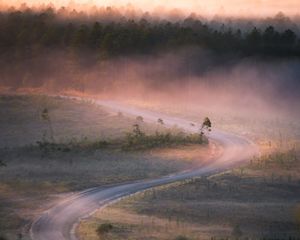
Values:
[(229, 7)]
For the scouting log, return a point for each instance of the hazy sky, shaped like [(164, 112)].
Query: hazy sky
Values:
[(240, 7)]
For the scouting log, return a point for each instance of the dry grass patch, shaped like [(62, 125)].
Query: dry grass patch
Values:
[(34, 177), (258, 200)]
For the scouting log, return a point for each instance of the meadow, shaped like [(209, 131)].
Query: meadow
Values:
[(77, 146), (257, 200)]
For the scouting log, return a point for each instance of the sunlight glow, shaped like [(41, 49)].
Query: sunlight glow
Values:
[(211, 7)]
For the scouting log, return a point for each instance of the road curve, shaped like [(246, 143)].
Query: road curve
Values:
[(59, 222)]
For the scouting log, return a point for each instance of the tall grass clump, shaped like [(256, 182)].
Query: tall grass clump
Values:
[(138, 140)]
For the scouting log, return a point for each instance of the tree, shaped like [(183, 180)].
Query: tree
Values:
[(253, 40), (81, 37), (271, 40), (206, 125), (288, 37), (46, 117)]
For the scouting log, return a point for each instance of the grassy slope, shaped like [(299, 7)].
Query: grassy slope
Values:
[(33, 178), (261, 199)]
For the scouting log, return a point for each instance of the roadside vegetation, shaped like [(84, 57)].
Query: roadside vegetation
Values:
[(51, 146), (136, 140), (258, 200)]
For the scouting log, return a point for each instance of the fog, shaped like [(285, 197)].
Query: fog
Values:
[(184, 79), (84, 13)]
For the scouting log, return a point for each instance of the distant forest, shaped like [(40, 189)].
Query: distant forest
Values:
[(28, 37), (26, 33)]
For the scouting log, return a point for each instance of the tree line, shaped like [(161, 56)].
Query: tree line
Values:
[(27, 33)]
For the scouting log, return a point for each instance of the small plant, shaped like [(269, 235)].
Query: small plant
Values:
[(140, 119), (236, 232), (137, 131), (2, 164), (138, 140), (181, 238), (104, 228), (46, 117), (160, 121)]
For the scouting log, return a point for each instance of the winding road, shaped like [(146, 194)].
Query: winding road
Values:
[(59, 222)]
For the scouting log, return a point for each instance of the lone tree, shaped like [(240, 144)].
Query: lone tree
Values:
[(46, 117), (206, 125)]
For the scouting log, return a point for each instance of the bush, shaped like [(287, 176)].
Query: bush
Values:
[(138, 140), (236, 231), (181, 238), (104, 228), (139, 118), (2, 164)]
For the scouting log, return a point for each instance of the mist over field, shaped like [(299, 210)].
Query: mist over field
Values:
[(240, 64), (187, 110), (190, 77)]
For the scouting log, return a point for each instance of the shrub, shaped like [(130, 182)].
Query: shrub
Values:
[(236, 231), (139, 118), (138, 140), (2, 164), (104, 228), (160, 121), (181, 238)]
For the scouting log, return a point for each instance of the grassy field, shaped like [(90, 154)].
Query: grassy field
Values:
[(257, 201), (87, 153)]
